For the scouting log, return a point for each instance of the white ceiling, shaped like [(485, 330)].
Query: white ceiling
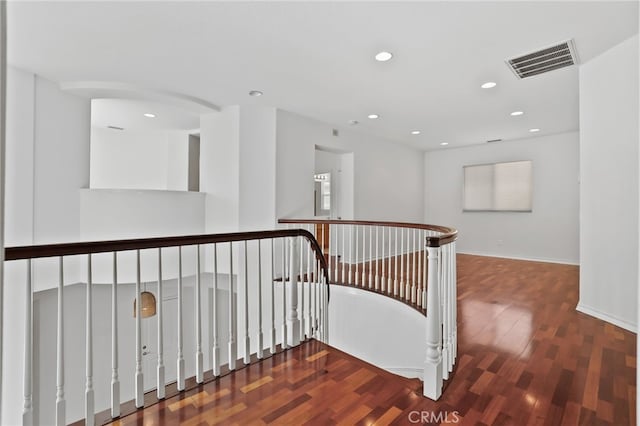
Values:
[(316, 58)]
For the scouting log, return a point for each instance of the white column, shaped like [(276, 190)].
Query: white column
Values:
[(433, 361), (89, 409), (60, 401), (160, 382), (27, 411), (293, 321), (115, 380), (180, 358), (139, 384)]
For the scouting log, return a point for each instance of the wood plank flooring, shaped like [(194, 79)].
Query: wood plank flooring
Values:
[(525, 357)]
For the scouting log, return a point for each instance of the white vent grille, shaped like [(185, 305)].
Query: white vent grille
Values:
[(544, 60)]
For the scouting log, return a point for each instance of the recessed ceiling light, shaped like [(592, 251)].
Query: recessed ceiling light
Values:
[(383, 56), (534, 130), (515, 113), (255, 93), (353, 122), (149, 115), (488, 85), (373, 116), (415, 132), (444, 143)]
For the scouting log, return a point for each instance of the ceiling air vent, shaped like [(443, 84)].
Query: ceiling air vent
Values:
[(115, 127), (494, 140), (544, 60)]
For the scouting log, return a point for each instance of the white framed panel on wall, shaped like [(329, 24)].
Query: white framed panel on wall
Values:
[(506, 187)]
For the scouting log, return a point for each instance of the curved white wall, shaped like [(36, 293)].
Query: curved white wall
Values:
[(377, 329)]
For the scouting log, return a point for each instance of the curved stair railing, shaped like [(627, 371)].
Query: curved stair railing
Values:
[(252, 267), (410, 262)]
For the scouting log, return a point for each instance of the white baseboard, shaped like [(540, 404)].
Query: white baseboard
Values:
[(608, 318), (408, 372), (530, 259)]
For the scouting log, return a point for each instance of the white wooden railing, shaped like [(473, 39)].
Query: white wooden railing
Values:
[(410, 262), (255, 266)]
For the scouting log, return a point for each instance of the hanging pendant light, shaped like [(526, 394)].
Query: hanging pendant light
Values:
[(148, 305)]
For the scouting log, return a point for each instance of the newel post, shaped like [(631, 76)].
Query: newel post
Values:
[(433, 361), (293, 321)]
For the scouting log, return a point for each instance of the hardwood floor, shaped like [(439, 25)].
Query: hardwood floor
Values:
[(525, 357)]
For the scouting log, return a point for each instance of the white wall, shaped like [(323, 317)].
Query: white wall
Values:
[(47, 162), (257, 171), (394, 340), (549, 232), (219, 169), (387, 179), (139, 159), (609, 185)]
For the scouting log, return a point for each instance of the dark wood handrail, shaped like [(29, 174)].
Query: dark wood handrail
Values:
[(447, 236), (72, 249)]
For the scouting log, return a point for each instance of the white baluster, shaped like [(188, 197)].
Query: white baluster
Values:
[(413, 269), (293, 321), (424, 274), (395, 269), (343, 254), (419, 273), (370, 257), (328, 247), (260, 301), (335, 254), (247, 341), (444, 278), (316, 302), (180, 358), (364, 255), (350, 251), (377, 276), (89, 412), (273, 300), (199, 355), (383, 278), (432, 387), (233, 347), (301, 274), (115, 379), (402, 276), (60, 401), (307, 325), (160, 381), (27, 411), (139, 384), (284, 295), (356, 261), (215, 350), (455, 302)]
